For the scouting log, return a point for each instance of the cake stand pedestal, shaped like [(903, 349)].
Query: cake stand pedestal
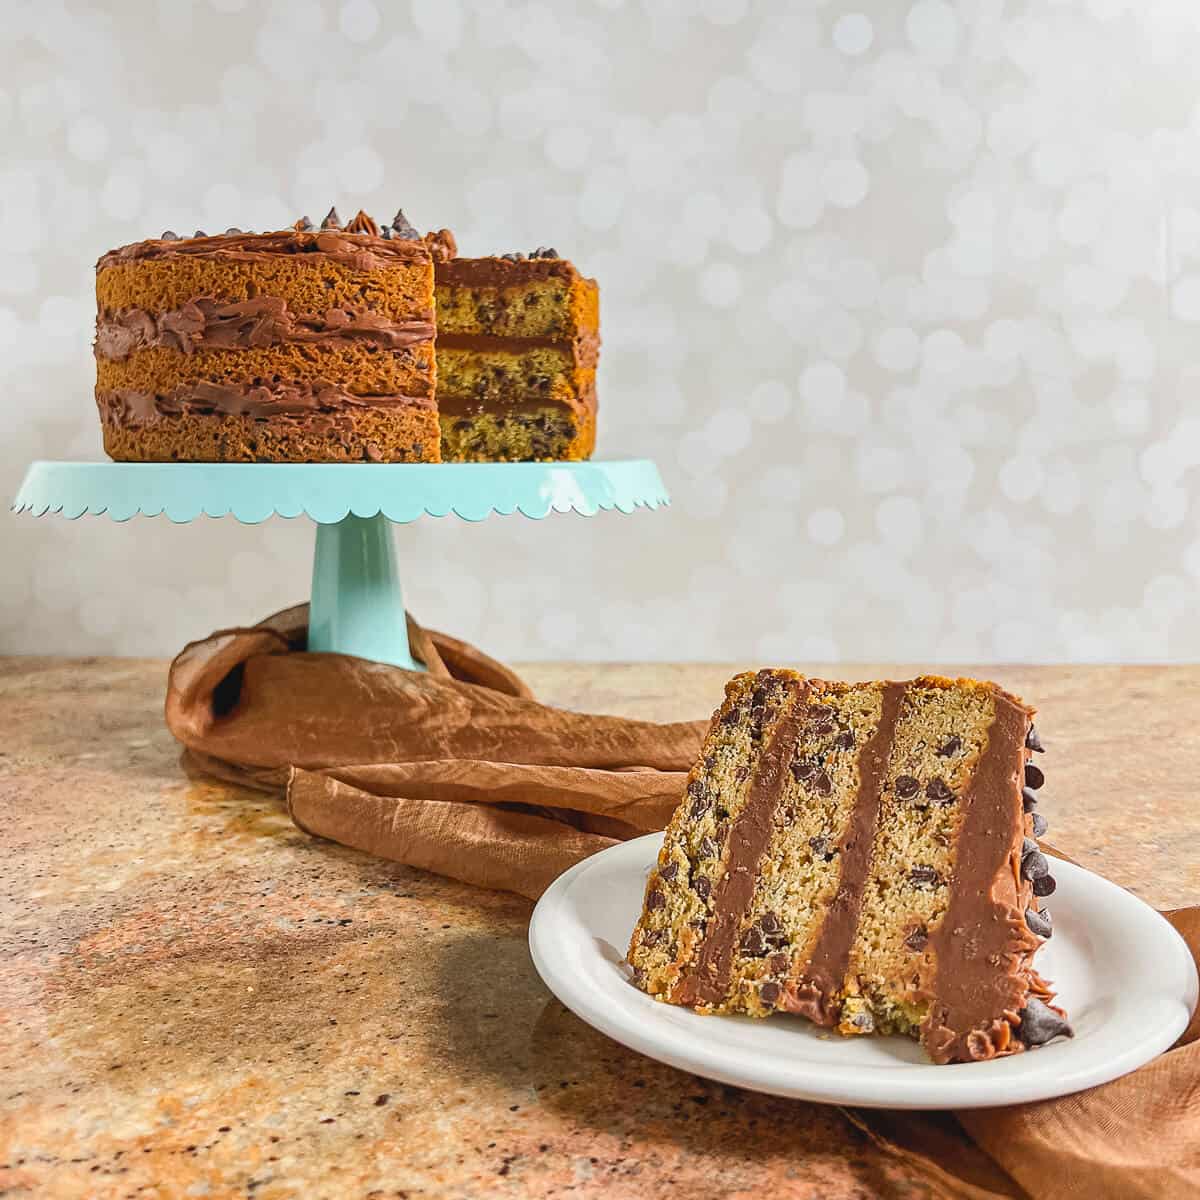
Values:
[(357, 602)]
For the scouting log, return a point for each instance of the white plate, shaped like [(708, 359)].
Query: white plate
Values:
[(1122, 972)]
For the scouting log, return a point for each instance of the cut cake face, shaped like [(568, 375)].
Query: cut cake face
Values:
[(864, 855)]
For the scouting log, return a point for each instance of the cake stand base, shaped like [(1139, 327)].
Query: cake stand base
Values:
[(357, 605)]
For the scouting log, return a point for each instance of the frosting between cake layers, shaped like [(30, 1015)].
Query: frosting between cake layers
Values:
[(127, 407), (982, 947), (261, 321)]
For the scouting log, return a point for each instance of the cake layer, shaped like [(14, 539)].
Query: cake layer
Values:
[(397, 432), (500, 377), (160, 277), (532, 431), (359, 367), (859, 854), (532, 298)]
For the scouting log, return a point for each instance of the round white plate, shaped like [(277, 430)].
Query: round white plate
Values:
[(1122, 972)]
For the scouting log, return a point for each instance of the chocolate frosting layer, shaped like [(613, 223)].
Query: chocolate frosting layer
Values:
[(814, 991), (982, 947), (358, 251), (261, 321), (707, 980), (501, 272), (128, 408)]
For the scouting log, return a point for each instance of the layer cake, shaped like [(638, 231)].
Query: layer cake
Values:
[(864, 855), (305, 345)]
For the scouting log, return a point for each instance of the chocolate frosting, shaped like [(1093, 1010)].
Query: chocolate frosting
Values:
[(358, 251), (261, 321), (707, 979), (813, 993), (982, 947), (127, 407), (501, 272)]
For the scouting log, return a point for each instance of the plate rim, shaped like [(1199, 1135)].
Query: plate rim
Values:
[(946, 1088)]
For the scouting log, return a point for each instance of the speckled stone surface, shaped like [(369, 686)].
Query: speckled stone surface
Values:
[(197, 999)]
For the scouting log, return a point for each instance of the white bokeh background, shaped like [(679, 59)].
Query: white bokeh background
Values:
[(903, 297)]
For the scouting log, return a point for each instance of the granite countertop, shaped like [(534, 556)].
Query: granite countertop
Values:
[(198, 999)]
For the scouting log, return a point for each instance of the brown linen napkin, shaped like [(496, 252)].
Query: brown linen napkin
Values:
[(459, 771), (456, 769)]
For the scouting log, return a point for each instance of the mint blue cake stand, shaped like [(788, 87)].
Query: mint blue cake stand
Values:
[(357, 603)]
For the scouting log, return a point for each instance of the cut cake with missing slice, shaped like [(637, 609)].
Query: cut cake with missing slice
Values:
[(864, 855)]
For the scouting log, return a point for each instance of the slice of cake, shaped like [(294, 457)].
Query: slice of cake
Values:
[(862, 854), (517, 343), (306, 345)]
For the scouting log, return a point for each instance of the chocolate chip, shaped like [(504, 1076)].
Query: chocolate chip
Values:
[(1039, 825), (638, 977), (1033, 776), (1040, 1023), (863, 1022), (1028, 799), (403, 229), (731, 716), (332, 220), (844, 740), (758, 697), (823, 728), (951, 746), (702, 888), (1033, 742), (303, 225), (918, 939), (233, 229), (543, 252), (920, 876), (819, 845), (655, 900), (698, 788), (938, 790), (780, 963), (1035, 865), (770, 923), (386, 233), (710, 762), (1028, 846), (653, 937), (754, 944), (804, 772), (1039, 922), (669, 871), (1044, 886), (169, 235), (821, 784), (907, 787), (514, 256), (700, 807), (708, 848), (770, 993), (819, 712), (199, 233), (758, 714)]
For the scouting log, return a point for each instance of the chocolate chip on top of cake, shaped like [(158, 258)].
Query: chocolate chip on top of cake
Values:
[(303, 345), (864, 855), (517, 345)]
